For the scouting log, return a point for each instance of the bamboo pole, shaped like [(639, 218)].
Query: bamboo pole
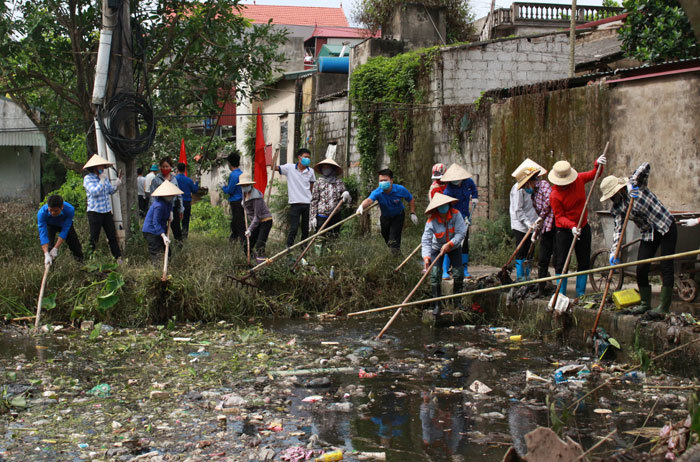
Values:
[(247, 237), (41, 295), (690, 253), (279, 255), (272, 177), (578, 225), (403, 263), (610, 274), (325, 224), (408, 297)]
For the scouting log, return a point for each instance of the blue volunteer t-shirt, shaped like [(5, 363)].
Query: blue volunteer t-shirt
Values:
[(390, 201), (187, 186), (64, 221), (233, 190)]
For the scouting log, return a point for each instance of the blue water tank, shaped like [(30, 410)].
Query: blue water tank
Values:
[(330, 64)]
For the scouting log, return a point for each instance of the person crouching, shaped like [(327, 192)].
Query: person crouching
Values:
[(158, 217), (443, 235)]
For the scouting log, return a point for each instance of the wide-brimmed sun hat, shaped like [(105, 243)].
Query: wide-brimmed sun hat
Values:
[(332, 163), (562, 174), (611, 185), (438, 200), (245, 180), (97, 161), (167, 189), (455, 173)]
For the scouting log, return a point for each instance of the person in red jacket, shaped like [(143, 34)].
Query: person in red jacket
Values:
[(567, 200)]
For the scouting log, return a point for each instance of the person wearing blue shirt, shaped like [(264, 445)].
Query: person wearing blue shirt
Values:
[(155, 225), (461, 187), (235, 197), (390, 197), (56, 216), (188, 187)]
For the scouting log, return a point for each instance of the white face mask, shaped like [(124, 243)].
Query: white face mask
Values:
[(326, 170)]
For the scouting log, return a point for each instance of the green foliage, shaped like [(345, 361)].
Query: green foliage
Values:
[(611, 3), (383, 92), (490, 242), (657, 30), (208, 219), (73, 192), (374, 14), (249, 137)]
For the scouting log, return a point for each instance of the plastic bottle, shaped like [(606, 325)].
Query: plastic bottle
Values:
[(330, 456), (332, 272), (516, 338)]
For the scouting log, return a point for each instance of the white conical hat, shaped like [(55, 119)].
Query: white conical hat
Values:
[(330, 162), (96, 161), (167, 189), (438, 200), (245, 180), (455, 173), (527, 170)]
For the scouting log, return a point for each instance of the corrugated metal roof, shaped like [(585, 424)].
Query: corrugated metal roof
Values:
[(10, 138), (16, 129)]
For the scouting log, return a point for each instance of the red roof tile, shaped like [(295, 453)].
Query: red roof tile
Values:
[(588, 25), (295, 15)]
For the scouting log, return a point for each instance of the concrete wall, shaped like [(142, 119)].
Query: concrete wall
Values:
[(280, 101), (417, 26), (20, 174), (326, 126)]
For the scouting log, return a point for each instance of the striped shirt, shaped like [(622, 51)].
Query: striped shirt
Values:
[(98, 193), (648, 213), (542, 206)]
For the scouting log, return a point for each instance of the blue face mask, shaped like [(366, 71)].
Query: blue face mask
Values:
[(305, 161), (443, 208), (385, 185), (528, 190), (100, 170), (456, 183)]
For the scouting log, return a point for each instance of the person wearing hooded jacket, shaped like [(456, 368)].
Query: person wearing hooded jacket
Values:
[(258, 214), (523, 216), (444, 232), (328, 191), (155, 225)]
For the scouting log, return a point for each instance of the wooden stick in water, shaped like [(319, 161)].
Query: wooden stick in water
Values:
[(41, 295)]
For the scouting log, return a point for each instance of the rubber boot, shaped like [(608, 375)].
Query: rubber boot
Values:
[(645, 304), (564, 282), (581, 285), (527, 271), (465, 263), (519, 270), (436, 291), (458, 288), (446, 267), (666, 296)]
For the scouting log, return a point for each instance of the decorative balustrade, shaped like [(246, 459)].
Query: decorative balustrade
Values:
[(521, 12)]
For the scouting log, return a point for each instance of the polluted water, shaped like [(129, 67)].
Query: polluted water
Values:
[(313, 389)]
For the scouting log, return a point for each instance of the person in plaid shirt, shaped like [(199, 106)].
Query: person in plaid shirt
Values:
[(657, 227), (328, 191), (99, 203)]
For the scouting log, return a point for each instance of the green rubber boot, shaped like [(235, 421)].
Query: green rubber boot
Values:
[(645, 305), (666, 295)]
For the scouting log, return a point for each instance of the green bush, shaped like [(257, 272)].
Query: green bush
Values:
[(73, 192), (490, 242), (208, 219)]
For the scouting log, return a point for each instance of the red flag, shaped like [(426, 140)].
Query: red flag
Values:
[(260, 174), (183, 156)]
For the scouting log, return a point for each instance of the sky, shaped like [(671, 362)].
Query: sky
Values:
[(480, 7)]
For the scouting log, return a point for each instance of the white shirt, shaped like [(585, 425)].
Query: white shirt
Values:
[(141, 185), (149, 178), (298, 183), (522, 210)]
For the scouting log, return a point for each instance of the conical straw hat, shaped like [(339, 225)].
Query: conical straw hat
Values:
[(526, 171), (167, 189), (562, 174), (455, 173), (438, 200), (96, 161), (330, 162), (245, 180), (611, 185)]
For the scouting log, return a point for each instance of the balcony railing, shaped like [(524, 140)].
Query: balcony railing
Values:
[(523, 13)]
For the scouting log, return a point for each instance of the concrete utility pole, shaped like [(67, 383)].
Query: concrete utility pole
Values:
[(572, 39)]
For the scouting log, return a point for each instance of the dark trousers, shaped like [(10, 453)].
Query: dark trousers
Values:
[(176, 224), (143, 206), (562, 243), (258, 238), (321, 220), (237, 223), (186, 218), (455, 256), (392, 228), (156, 247), (518, 236), (298, 213), (647, 249), (72, 240), (546, 253), (465, 243), (99, 221)]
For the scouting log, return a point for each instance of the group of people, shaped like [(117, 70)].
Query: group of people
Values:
[(551, 213)]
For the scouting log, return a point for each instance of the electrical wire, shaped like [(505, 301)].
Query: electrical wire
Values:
[(123, 110)]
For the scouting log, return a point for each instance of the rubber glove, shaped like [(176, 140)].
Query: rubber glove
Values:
[(414, 218), (313, 223), (118, 182), (247, 233), (170, 219), (166, 240), (47, 259), (576, 232), (690, 222), (538, 222), (360, 209), (633, 191), (614, 261), (346, 197), (54, 253), (602, 160), (426, 263), (475, 200)]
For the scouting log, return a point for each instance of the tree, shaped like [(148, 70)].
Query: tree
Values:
[(183, 54), (373, 14), (657, 30)]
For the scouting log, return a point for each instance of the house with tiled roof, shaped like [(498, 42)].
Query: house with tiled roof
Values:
[(295, 15)]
